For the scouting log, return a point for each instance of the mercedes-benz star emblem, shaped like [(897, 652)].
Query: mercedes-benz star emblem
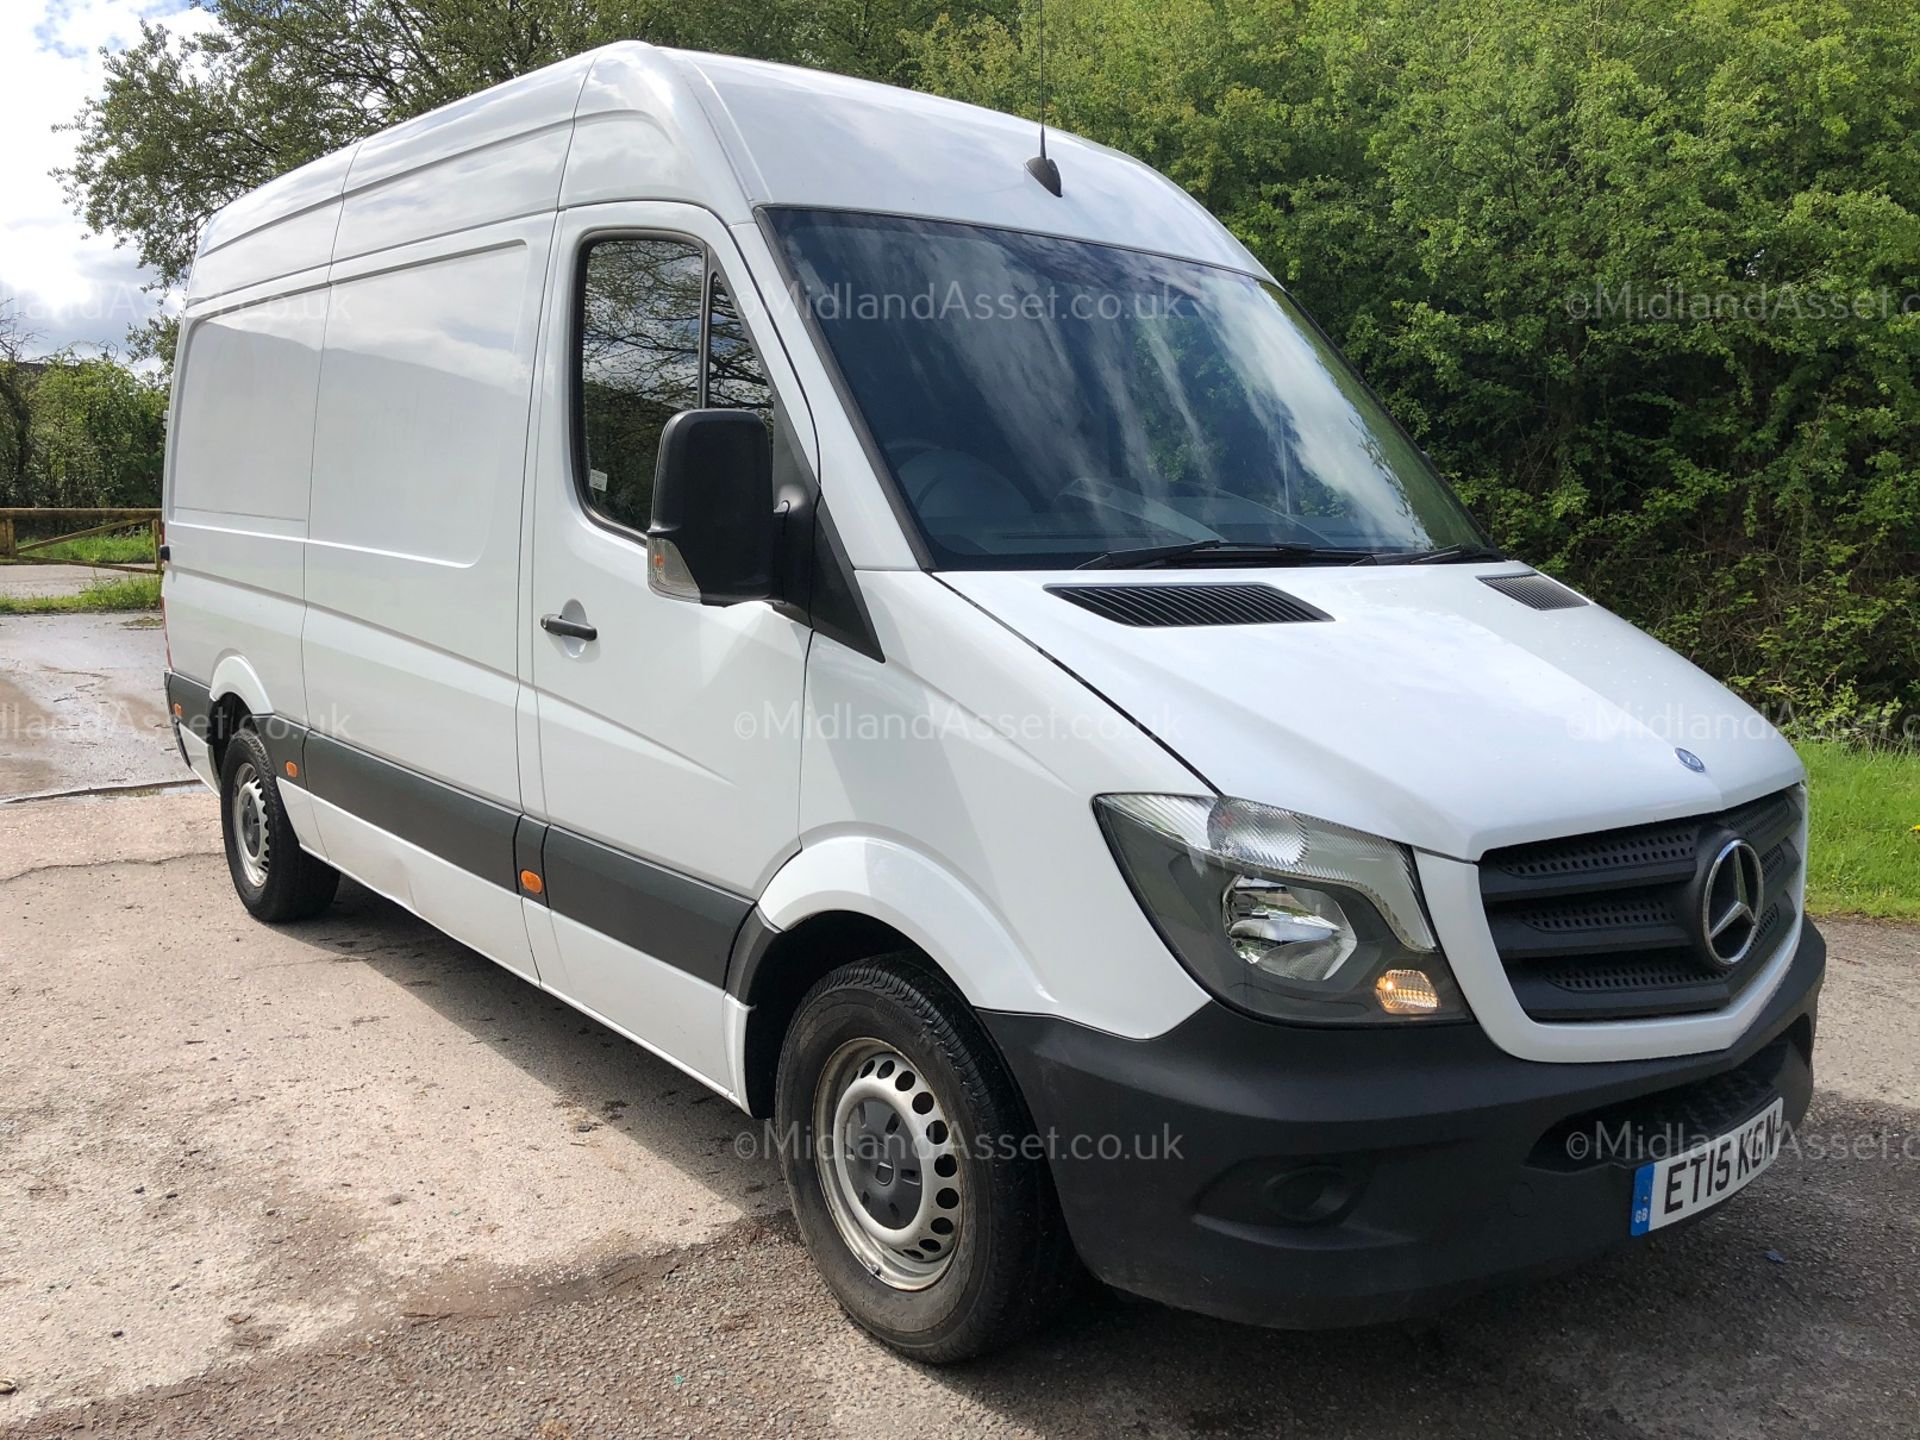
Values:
[(1729, 919)]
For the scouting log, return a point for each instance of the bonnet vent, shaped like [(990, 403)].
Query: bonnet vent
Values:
[(1535, 591), (1226, 604)]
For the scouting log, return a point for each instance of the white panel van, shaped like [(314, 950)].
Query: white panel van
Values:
[(968, 673)]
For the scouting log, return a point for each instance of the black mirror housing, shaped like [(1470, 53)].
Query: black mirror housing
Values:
[(713, 529)]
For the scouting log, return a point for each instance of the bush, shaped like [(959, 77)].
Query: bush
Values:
[(1643, 277), (98, 438)]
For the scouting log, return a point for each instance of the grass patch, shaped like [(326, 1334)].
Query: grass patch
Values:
[(1866, 830), (134, 592), (129, 549)]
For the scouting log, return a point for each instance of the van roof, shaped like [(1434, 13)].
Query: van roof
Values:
[(632, 121)]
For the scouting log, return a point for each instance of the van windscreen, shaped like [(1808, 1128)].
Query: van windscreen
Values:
[(1043, 401)]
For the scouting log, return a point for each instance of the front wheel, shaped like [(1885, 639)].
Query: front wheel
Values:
[(909, 1160), (275, 878)]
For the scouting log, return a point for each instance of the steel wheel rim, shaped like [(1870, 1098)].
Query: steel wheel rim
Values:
[(251, 842), (889, 1166)]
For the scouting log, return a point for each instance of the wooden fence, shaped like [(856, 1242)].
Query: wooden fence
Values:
[(95, 522)]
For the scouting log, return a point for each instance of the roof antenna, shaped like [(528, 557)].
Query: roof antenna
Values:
[(1040, 167)]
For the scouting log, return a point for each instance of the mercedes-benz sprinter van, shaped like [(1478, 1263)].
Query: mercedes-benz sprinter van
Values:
[(968, 673)]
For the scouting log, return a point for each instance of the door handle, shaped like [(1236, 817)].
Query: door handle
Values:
[(572, 629)]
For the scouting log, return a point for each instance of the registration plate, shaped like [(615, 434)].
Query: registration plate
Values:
[(1681, 1185)]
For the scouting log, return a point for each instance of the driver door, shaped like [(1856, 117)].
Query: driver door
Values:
[(668, 735)]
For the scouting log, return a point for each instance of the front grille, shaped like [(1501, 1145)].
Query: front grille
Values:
[(1606, 927)]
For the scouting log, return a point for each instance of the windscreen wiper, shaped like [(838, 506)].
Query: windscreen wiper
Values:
[(1446, 555), (1227, 552)]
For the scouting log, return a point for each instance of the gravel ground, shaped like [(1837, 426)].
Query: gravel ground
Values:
[(350, 1179)]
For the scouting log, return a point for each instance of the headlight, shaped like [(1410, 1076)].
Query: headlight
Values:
[(1280, 915)]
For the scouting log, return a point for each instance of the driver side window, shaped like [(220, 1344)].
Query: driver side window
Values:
[(658, 334)]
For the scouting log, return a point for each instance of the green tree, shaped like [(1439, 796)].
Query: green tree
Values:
[(99, 432), (16, 405), (1199, 89), (1641, 274), (184, 125)]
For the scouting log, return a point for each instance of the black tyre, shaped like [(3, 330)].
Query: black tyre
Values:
[(276, 879), (915, 1185)]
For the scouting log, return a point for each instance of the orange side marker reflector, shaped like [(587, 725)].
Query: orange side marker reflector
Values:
[(531, 883), (293, 771)]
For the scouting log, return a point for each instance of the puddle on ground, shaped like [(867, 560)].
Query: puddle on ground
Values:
[(21, 720)]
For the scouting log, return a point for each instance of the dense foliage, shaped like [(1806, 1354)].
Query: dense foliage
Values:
[(1644, 276), (1641, 274), (98, 435), (77, 432)]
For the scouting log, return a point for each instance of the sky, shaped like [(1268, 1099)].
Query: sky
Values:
[(69, 288)]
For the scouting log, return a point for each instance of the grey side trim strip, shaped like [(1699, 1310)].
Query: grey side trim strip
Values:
[(285, 739), (286, 744), (675, 918), (462, 829), (685, 922), (195, 701), (529, 843), (751, 943)]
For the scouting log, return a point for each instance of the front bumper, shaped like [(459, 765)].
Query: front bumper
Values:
[(1288, 1176)]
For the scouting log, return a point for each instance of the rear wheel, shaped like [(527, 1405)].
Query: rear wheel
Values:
[(275, 878), (931, 1220)]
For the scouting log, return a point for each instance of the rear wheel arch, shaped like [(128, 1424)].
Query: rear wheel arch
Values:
[(237, 696), (234, 675), (225, 720), (275, 878)]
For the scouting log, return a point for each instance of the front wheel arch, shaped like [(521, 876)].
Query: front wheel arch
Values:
[(773, 971)]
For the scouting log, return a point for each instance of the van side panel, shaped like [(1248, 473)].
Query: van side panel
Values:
[(299, 242), (413, 565), (485, 158), (520, 177), (954, 786), (641, 132), (478, 913), (284, 227), (240, 458)]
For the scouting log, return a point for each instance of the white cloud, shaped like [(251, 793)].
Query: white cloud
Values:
[(71, 288)]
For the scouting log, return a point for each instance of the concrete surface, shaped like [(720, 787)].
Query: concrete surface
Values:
[(348, 1178), (24, 580), (81, 703)]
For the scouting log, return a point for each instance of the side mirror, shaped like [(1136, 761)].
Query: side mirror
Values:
[(712, 535)]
